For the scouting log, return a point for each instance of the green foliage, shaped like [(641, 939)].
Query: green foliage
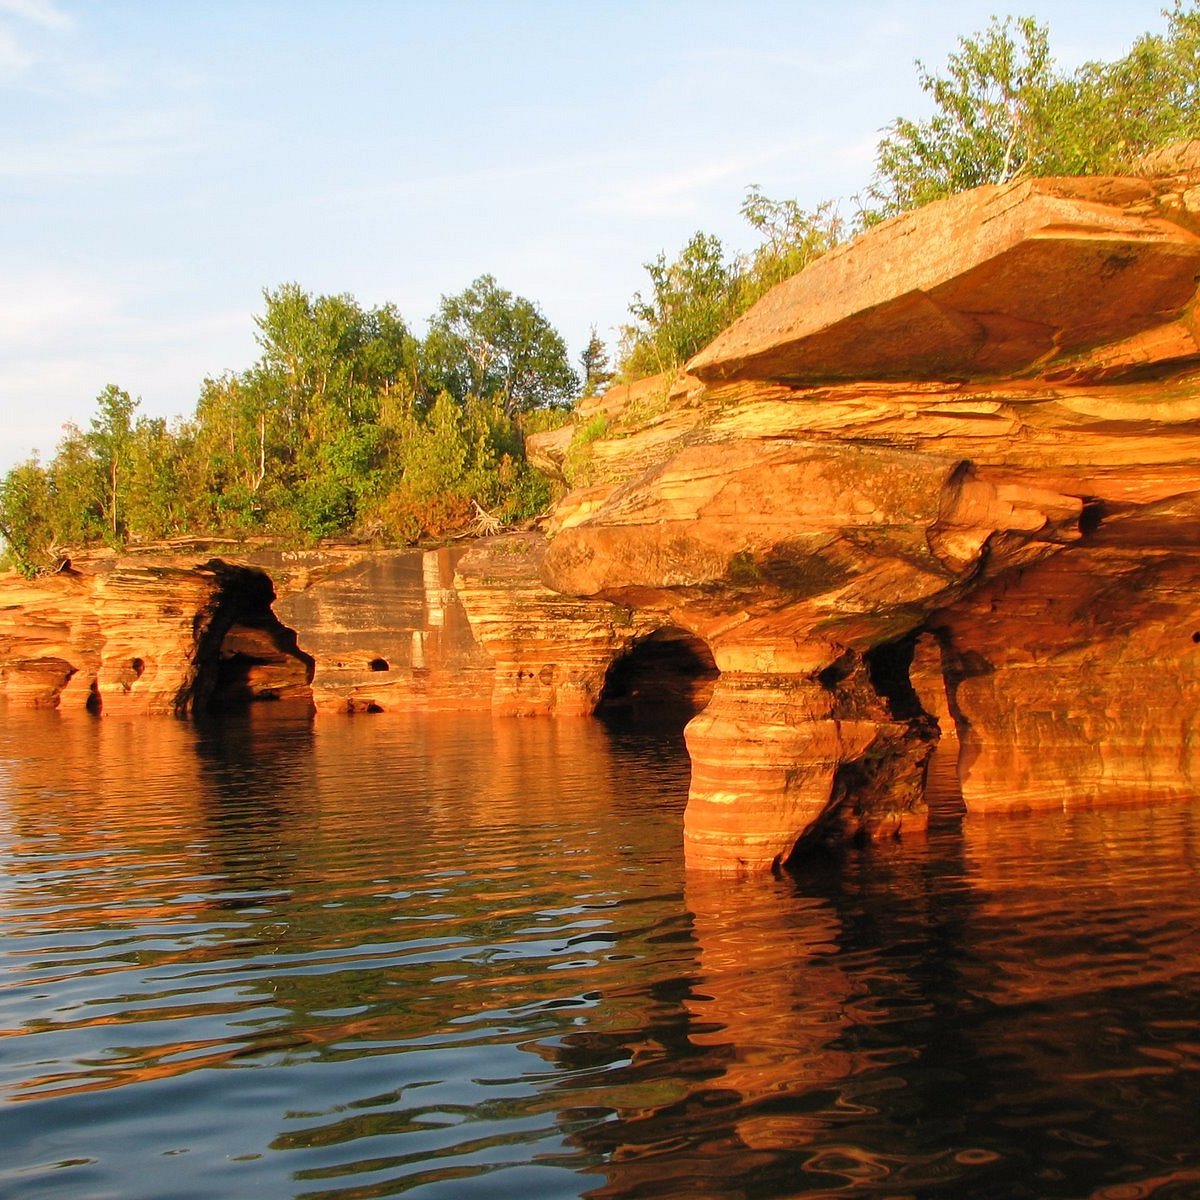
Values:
[(24, 518), (75, 507), (578, 465), (434, 452), (337, 428), (110, 441), (1113, 113), (347, 423), (792, 237), (542, 419), (594, 361), (691, 300), (1002, 111), (743, 571), (156, 503), (488, 343), (529, 494), (992, 118)]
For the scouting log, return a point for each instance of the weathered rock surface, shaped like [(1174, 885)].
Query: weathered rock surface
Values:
[(972, 436), (551, 652), (147, 637), (936, 500), (385, 628), (341, 630)]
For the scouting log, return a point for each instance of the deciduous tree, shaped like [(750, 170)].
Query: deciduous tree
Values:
[(691, 300), (109, 440), (1003, 110), (486, 342)]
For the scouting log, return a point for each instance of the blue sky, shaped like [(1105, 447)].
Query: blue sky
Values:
[(162, 162)]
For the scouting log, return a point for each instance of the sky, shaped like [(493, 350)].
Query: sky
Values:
[(162, 162)]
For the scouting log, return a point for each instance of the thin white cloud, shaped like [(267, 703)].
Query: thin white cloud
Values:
[(687, 192), (670, 194), (126, 144), (41, 309), (71, 334), (15, 60), (17, 57), (478, 179), (38, 12)]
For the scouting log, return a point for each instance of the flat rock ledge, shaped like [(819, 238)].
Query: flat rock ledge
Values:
[(930, 509)]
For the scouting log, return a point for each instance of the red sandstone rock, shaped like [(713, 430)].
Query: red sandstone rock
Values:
[(344, 630), (386, 628), (980, 424), (1000, 281), (551, 652), (940, 490), (146, 637)]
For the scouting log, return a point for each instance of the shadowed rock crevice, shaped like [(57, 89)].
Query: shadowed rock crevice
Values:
[(246, 655), (664, 679), (880, 791)]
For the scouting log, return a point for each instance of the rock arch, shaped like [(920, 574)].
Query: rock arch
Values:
[(246, 655), (666, 677)]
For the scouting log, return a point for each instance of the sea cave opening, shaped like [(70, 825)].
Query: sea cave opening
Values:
[(662, 681), (248, 655), (260, 662)]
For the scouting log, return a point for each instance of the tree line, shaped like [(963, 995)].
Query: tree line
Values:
[(346, 423), (350, 424), (1001, 109)]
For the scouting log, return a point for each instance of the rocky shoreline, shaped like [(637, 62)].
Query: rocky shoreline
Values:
[(945, 483)]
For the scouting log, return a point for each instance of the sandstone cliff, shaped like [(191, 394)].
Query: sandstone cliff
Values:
[(336, 630), (972, 437), (934, 500), (147, 637)]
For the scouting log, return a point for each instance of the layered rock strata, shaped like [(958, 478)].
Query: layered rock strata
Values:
[(933, 502), (970, 440), (551, 653), (339, 630), (148, 637)]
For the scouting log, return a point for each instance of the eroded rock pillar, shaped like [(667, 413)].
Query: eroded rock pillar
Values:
[(782, 760), (763, 752)]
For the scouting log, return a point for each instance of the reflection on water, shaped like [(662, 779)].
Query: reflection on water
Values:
[(454, 957)]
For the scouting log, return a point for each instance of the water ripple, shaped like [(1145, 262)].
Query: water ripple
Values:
[(456, 958)]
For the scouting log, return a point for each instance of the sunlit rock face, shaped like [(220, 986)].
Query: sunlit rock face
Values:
[(150, 636), (550, 653), (339, 630), (944, 482), (385, 628), (937, 495)]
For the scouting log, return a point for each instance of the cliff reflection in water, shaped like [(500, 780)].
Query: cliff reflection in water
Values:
[(460, 958)]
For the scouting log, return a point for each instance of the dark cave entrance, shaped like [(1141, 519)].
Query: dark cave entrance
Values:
[(260, 662), (247, 656), (662, 680)]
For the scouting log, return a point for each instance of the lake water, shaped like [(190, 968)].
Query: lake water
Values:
[(450, 957)]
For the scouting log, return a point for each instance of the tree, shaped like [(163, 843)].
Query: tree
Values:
[(109, 441), (993, 119), (594, 361), (157, 503), (691, 300), (25, 517), (792, 237), (77, 489), (1002, 111), (313, 352), (1111, 114), (489, 343)]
